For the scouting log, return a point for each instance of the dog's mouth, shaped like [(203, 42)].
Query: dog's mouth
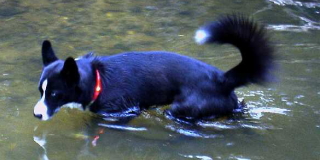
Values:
[(43, 113), (43, 117)]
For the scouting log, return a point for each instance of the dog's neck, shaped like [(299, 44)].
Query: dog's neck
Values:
[(98, 86), (97, 89)]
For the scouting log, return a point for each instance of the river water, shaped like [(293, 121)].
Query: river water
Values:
[(282, 120)]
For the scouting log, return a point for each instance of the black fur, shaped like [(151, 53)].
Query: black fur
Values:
[(134, 81)]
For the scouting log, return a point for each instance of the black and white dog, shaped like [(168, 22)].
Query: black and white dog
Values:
[(127, 83)]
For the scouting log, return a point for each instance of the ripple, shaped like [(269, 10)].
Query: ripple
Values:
[(295, 3), (235, 125), (190, 133), (308, 25), (293, 28), (196, 157), (258, 108), (239, 158), (257, 113), (217, 125), (257, 126), (126, 128)]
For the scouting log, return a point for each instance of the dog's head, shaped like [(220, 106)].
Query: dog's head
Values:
[(58, 85)]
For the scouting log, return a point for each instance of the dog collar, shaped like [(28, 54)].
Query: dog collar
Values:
[(97, 88)]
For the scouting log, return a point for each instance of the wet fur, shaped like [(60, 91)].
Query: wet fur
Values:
[(134, 81)]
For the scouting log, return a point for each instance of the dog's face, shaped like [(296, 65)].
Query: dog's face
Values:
[(58, 83)]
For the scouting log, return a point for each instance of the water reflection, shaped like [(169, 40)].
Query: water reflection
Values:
[(41, 141), (77, 137)]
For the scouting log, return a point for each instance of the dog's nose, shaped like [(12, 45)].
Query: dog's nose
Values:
[(38, 115)]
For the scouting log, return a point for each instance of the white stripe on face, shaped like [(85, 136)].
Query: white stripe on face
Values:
[(41, 108)]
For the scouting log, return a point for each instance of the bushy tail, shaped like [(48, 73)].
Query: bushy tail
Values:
[(252, 41)]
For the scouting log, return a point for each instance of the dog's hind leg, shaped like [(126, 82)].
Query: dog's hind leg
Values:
[(201, 105), (189, 107)]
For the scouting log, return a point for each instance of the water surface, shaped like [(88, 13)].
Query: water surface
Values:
[(282, 119)]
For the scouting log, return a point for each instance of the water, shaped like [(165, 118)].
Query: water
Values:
[(282, 120)]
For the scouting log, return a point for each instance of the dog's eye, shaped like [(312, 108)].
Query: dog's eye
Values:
[(53, 94)]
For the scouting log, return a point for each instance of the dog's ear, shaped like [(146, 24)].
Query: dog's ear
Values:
[(48, 55), (70, 71)]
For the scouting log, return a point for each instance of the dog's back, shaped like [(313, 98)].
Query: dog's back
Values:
[(154, 78), (195, 89)]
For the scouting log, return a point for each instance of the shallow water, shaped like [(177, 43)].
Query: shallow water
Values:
[(282, 120)]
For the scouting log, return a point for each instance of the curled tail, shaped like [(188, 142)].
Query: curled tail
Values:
[(253, 43)]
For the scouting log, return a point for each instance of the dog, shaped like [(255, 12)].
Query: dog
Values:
[(127, 83)]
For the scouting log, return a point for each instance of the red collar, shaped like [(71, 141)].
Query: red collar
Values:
[(97, 88)]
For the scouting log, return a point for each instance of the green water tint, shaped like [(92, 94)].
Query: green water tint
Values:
[(282, 120)]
